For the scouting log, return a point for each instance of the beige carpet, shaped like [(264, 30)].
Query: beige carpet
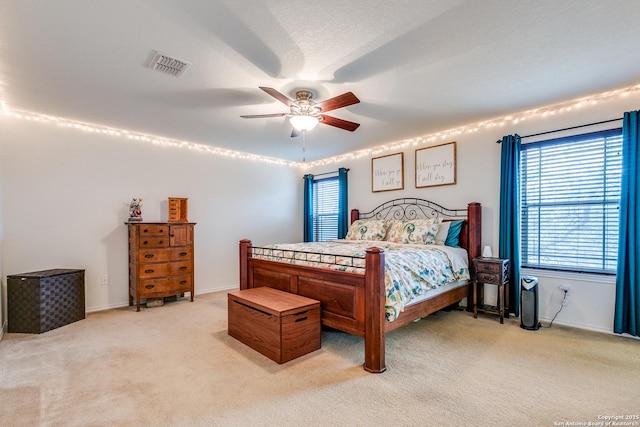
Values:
[(176, 366)]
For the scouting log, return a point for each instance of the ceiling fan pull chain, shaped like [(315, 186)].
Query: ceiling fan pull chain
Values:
[(304, 146)]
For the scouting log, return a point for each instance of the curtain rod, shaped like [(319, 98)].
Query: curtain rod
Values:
[(569, 128), (326, 173), (573, 127)]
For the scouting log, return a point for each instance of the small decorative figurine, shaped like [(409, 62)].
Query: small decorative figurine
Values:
[(135, 210)]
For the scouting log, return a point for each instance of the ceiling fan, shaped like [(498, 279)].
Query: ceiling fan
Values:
[(304, 114)]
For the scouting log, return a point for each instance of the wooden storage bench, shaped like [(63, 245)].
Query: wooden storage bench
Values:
[(280, 325)]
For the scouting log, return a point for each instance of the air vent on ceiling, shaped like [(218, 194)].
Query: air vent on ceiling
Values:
[(168, 65)]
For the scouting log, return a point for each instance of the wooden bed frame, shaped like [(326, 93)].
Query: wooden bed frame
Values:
[(355, 303)]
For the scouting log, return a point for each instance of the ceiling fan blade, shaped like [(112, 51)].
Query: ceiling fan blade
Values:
[(295, 133), (339, 123), (277, 95), (262, 116), (339, 101)]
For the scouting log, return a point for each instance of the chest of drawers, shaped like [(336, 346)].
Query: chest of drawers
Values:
[(160, 260)]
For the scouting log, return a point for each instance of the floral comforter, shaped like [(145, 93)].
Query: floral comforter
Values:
[(410, 270)]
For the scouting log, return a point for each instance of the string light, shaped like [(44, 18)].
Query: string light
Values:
[(543, 112), (141, 137)]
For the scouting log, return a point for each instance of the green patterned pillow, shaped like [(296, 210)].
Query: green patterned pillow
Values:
[(421, 231), (368, 229)]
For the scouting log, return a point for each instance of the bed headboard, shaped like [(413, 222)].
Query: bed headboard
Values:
[(411, 208)]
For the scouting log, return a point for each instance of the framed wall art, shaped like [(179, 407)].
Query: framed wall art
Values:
[(436, 165), (387, 173)]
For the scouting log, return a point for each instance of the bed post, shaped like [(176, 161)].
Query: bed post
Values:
[(474, 218), (374, 311), (355, 215), (245, 248)]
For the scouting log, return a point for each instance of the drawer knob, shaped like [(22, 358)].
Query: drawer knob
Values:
[(145, 243), (183, 268), (183, 282), (148, 271), (183, 254), (148, 255), (149, 286)]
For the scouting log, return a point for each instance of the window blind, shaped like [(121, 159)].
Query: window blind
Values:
[(325, 209), (570, 189)]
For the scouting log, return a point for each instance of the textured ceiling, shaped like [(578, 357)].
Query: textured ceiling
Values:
[(418, 66)]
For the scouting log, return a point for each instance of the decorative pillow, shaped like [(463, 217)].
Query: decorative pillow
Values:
[(417, 231), (368, 229), (453, 237), (443, 231)]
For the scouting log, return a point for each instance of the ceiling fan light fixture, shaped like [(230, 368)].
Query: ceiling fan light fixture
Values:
[(304, 114), (304, 123)]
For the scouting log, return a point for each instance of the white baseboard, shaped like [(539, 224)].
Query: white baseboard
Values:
[(3, 330), (126, 304), (105, 307), (212, 290), (577, 325), (588, 328)]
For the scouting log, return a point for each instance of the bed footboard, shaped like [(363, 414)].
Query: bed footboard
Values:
[(350, 302)]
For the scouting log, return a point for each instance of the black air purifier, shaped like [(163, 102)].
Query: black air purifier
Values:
[(529, 303)]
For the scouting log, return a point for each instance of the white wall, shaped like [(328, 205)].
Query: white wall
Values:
[(3, 319), (478, 180), (65, 195)]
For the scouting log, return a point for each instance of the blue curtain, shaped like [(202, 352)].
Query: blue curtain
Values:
[(627, 309), (343, 210), (308, 208), (510, 215)]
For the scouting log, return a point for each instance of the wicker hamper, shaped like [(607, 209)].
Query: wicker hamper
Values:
[(44, 300)]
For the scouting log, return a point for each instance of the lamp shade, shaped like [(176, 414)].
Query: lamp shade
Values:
[(303, 122), (486, 252)]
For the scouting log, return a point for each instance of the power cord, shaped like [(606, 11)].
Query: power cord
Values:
[(564, 298)]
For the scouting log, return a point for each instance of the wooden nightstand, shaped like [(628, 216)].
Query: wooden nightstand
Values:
[(492, 271)]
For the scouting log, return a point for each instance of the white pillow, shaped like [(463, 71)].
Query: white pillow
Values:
[(443, 231)]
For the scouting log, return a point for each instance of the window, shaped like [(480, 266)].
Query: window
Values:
[(325, 209), (325, 206), (570, 189)]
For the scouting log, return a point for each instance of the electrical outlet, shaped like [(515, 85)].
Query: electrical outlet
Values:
[(567, 293), (104, 280)]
